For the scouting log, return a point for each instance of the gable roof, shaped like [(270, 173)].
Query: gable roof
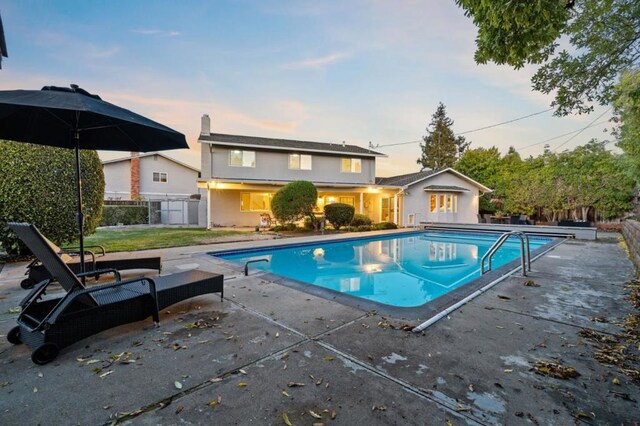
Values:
[(148, 154), (413, 178), (405, 180), (287, 144)]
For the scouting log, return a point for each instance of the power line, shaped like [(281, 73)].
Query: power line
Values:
[(561, 136), (583, 129), (468, 131)]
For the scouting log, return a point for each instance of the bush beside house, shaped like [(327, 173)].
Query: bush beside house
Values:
[(294, 201), (38, 186), (125, 215), (339, 214)]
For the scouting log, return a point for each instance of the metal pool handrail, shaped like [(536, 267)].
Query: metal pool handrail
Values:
[(246, 265), (525, 251)]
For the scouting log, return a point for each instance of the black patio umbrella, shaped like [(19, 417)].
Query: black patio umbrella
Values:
[(75, 119)]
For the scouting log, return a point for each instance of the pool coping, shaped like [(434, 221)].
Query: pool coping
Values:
[(426, 310)]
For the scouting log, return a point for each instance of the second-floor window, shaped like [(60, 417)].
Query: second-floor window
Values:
[(299, 162), (238, 158), (351, 165), (161, 177)]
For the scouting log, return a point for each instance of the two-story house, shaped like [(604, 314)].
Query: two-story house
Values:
[(241, 174)]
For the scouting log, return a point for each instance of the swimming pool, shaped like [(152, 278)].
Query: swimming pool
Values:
[(401, 270)]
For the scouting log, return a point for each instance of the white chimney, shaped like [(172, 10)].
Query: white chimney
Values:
[(205, 125)]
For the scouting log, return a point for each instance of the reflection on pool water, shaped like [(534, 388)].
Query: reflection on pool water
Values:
[(401, 270)]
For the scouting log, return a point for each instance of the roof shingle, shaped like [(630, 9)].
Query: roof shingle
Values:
[(403, 180), (288, 144)]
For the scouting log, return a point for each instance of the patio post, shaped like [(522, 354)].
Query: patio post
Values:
[(361, 202)]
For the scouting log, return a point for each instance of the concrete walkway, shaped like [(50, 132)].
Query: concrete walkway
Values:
[(269, 350)]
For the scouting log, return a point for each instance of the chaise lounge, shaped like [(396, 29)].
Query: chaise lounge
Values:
[(47, 325), (37, 272)]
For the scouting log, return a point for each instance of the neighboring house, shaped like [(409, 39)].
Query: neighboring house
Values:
[(151, 176), (241, 174)]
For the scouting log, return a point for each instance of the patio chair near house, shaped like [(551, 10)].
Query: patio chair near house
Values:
[(37, 272), (48, 324)]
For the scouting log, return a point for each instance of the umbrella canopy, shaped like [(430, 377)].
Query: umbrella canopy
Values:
[(51, 115), (73, 118), (3, 44)]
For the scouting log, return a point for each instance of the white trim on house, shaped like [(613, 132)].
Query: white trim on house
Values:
[(455, 172)]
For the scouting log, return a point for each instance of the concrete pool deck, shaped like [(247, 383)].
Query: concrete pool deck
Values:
[(270, 349)]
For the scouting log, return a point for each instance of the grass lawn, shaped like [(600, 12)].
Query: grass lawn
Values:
[(153, 238)]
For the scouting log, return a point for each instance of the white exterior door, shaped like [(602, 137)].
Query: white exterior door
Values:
[(442, 207)]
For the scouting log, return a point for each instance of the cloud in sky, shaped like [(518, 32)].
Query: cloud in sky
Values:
[(155, 32), (317, 63)]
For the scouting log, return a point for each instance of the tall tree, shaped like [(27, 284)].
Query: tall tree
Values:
[(603, 38), (441, 147), (627, 110)]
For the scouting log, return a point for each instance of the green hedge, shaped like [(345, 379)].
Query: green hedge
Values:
[(339, 214), (126, 215), (38, 185), (360, 220)]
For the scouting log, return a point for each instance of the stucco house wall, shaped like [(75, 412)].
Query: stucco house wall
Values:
[(273, 165), (117, 179)]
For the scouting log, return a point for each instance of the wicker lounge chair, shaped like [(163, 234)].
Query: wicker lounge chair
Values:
[(93, 261), (47, 325)]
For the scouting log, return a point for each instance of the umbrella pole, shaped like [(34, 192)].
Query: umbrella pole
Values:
[(80, 216)]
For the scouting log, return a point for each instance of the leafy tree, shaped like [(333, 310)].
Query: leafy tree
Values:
[(441, 147), (627, 109), (38, 186), (294, 201), (603, 37), (483, 165)]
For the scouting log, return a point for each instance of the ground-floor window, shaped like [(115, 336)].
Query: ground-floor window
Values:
[(443, 203), (347, 200), (255, 202), (388, 210)]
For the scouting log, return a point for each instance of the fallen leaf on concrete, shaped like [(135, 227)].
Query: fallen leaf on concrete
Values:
[(500, 296), (319, 381), (179, 409), (216, 401), (553, 369), (599, 319), (243, 385), (35, 390), (530, 283), (285, 357), (103, 375), (315, 415), (285, 419), (333, 414), (4, 384), (177, 384), (508, 370), (15, 310), (295, 385), (92, 361), (329, 358), (242, 371), (616, 381), (379, 408), (216, 379), (285, 393)]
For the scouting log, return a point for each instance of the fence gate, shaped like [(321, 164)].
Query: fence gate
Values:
[(173, 212)]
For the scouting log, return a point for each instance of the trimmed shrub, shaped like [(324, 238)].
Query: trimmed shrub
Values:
[(294, 201), (384, 225), (38, 186), (339, 214), (126, 215), (362, 228), (360, 219)]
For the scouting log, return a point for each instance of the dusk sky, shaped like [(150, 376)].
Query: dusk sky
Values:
[(330, 71)]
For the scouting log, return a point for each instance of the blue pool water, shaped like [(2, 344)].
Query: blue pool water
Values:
[(404, 270)]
